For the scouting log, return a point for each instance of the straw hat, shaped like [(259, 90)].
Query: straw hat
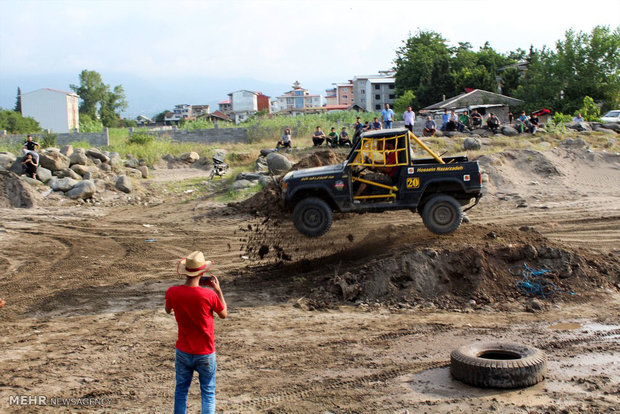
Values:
[(193, 265)]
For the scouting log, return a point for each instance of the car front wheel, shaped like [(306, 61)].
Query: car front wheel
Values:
[(312, 217)]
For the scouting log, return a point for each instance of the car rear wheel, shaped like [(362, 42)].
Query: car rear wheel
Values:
[(312, 217), (442, 214)]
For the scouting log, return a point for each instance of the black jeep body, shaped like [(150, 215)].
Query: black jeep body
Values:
[(435, 187)]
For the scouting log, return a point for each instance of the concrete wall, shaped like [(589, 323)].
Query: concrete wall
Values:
[(95, 139), (244, 101), (49, 109), (215, 135)]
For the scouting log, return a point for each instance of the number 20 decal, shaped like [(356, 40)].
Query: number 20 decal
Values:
[(413, 182)]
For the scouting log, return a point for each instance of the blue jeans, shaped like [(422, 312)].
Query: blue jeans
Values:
[(185, 364), (388, 124)]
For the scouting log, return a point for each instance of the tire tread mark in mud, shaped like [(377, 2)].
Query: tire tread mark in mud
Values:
[(574, 341)]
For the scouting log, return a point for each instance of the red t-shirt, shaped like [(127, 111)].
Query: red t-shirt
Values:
[(193, 310), (391, 159)]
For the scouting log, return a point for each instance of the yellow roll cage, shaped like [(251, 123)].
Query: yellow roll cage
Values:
[(372, 152)]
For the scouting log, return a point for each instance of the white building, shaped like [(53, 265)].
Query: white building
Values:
[(244, 103), (53, 109), (372, 92)]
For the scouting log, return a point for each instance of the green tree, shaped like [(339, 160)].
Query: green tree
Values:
[(15, 123), (18, 101), (92, 91), (589, 111), (402, 102), (161, 116), (112, 104)]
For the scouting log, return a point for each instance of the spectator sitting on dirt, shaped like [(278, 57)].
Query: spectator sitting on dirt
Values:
[(476, 119), (193, 304), (30, 166), (430, 127), (493, 122), (318, 137), (382, 175), (344, 138), (285, 140), (376, 125), (579, 119), (333, 139), (445, 118)]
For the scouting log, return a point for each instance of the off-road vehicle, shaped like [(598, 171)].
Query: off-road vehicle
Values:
[(434, 187)]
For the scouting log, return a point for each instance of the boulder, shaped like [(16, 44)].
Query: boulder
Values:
[(190, 157), (6, 159), (99, 186), (31, 181), (43, 174), (96, 161), (266, 151), (144, 170), (78, 157), (123, 183), (578, 126), (248, 176), (614, 126), (132, 163), (169, 158), (133, 172), (54, 161), (17, 166), (96, 154), (83, 189), (62, 184), (577, 142), (241, 184), (278, 163), (67, 150), (83, 169), (105, 167), (265, 180), (482, 132), (67, 173), (509, 131), (472, 143)]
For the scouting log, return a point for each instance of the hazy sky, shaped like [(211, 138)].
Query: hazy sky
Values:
[(317, 42)]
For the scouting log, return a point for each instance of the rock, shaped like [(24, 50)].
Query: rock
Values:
[(578, 126), (614, 126), (31, 181), (78, 157), (96, 161), (509, 131), (265, 180), (17, 167), (54, 161), (62, 184), (83, 189), (169, 158), (472, 143), (133, 172), (534, 305), (241, 184), (248, 176), (132, 163), (67, 172), (80, 169), (105, 167), (95, 153), (43, 174), (6, 159), (144, 170), (190, 157), (123, 183), (278, 163), (577, 142), (99, 186), (266, 151), (87, 176), (482, 132), (67, 150)]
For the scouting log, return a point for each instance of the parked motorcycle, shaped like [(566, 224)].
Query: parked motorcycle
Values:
[(219, 166)]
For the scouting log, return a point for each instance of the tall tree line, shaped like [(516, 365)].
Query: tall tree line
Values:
[(98, 100), (581, 64)]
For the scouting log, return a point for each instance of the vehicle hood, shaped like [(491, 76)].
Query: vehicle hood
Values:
[(316, 171)]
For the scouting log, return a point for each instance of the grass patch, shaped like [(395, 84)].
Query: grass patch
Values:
[(234, 195)]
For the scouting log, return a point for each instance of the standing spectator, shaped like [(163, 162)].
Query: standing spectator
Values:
[(511, 118), (333, 138), (388, 116), (30, 165), (344, 138), (193, 304), (409, 118), (579, 119), (285, 140), (445, 118), (318, 137), (493, 122), (430, 127), (376, 125), (358, 128)]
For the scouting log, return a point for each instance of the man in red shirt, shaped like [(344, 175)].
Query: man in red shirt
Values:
[(193, 304)]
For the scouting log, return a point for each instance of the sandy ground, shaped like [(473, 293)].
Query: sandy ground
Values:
[(84, 318)]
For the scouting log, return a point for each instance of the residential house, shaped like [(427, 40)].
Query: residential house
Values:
[(331, 97), (344, 93), (143, 120), (245, 103), (180, 112), (53, 109), (225, 106), (483, 101), (372, 92), (199, 110), (298, 101)]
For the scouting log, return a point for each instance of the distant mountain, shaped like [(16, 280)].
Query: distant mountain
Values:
[(153, 95)]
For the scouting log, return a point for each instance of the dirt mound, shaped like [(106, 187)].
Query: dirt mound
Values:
[(319, 159), (267, 202), (16, 193)]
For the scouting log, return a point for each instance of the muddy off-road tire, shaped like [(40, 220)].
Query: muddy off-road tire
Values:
[(498, 365), (312, 217), (442, 214)]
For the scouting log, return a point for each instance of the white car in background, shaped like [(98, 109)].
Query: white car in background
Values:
[(611, 116)]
